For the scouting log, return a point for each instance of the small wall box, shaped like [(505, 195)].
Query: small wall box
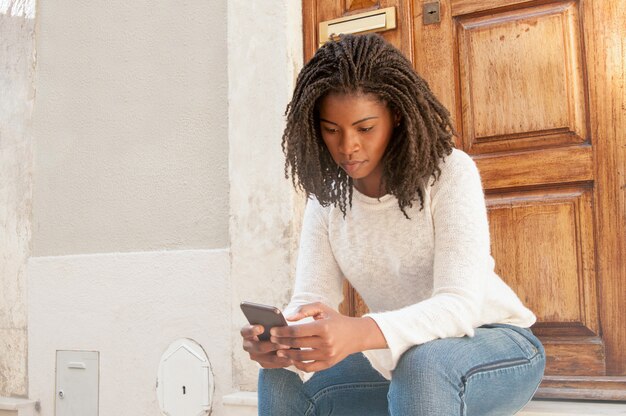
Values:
[(185, 380), (77, 382)]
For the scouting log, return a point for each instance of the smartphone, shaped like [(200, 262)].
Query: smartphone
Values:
[(268, 316)]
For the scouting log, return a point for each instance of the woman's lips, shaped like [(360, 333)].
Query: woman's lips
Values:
[(352, 166)]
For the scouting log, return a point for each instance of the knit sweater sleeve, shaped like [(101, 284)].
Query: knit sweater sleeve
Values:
[(461, 263), (318, 277)]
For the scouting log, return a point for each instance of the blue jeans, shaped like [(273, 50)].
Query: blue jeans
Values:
[(496, 372)]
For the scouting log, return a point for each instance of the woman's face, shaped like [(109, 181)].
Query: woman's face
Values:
[(356, 129)]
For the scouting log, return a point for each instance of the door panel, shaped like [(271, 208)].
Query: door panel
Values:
[(514, 95), (557, 246), (537, 92), (535, 168)]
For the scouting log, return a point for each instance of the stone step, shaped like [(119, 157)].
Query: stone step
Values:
[(14, 406), (244, 403), (241, 403)]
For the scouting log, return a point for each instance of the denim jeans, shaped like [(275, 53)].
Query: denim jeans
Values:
[(495, 372)]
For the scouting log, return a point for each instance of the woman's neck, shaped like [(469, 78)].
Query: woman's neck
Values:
[(373, 189)]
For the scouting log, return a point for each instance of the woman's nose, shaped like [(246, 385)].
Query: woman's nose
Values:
[(349, 144)]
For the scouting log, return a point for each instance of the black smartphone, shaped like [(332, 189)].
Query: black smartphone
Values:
[(268, 316)]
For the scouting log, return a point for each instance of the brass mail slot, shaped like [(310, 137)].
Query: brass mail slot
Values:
[(374, 21)]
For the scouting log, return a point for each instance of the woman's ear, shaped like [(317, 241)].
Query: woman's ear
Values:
[(397, 118)]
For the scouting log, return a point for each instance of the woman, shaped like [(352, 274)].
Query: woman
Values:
[(400, 213)]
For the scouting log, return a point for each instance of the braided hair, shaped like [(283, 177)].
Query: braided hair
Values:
[(362, 64)]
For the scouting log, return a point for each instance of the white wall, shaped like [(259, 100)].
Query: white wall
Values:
[(17, 60), (130, 125), (129, 307), (264, 57), (133, 166), (130, 193)]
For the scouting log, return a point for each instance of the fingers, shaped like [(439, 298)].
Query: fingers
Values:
[(304, 342), (250, 331), (277, 364), (312, 366), (311, 309), (317, 328), (303, 355), (263, 352), (271, 360), (261, 347)]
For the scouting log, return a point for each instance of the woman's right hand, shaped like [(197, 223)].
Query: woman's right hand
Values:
[(263, 352)]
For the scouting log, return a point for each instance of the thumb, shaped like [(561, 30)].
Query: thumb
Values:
[(317, 310)]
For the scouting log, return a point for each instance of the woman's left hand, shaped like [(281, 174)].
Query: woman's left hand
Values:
[(331, 337)]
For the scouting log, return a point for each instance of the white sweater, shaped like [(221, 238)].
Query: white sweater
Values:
[(428, 277)]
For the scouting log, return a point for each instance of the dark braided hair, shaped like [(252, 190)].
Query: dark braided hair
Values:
[(357, 64)]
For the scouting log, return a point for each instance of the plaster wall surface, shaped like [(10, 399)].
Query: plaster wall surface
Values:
[(264, 57), (129, 307), (17, 61), (130, 127), (132, 156)]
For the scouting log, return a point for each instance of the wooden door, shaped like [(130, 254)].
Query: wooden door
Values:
[(537, 90)]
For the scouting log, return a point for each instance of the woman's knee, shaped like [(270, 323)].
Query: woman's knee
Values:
[(424, 382), (280, 393), (277, 380), (437, 373), (427, 364)]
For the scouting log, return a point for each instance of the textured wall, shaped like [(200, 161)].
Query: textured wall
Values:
[(130, 123), (132, 128), (265, 212), (129, 307), (17, 60)]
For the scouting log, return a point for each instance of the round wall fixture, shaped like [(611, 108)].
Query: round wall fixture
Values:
[(185, 380)]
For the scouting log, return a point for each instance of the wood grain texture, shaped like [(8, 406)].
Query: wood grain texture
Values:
[(581, 387), (435, 57), (566, 330), (360, 5), (559, 284), (573, 356), (549, 138), (508, 105), (309, 29), (605, 37), (352, 304), (559, 165), (359, 307), (465, 7)]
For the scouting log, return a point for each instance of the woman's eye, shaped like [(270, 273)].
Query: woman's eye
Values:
[(365, 129), (330, 130)]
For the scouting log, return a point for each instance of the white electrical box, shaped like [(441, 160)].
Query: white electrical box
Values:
[(77, 381), (185, 380)]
